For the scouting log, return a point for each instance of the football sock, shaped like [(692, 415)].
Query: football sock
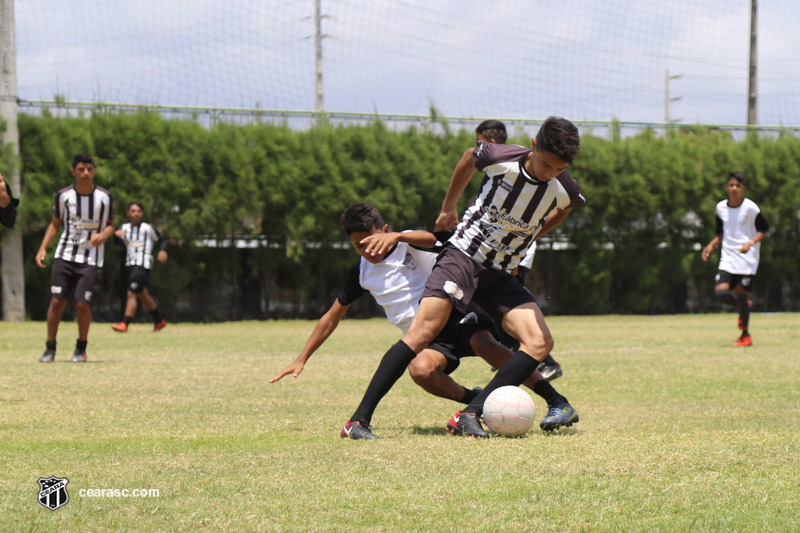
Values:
[(744, 309), (156, 314), (469, 395), (514, 372), (126, 320), (51, 345), (390, 369), (548, 360), (725, 297), (544, 389), (81, 345)]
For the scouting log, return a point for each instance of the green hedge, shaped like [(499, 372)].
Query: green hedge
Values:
[(650, 200)]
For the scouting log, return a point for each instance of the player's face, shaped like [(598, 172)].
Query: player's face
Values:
[(735, 191), (361, 248), (83, 173), (135, 214), (543, 165)]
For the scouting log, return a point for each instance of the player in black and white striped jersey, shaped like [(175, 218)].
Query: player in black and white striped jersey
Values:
[(87, 214), (140, 239)]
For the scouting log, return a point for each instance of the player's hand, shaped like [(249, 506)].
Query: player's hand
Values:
[(446, 221), (5, 199), (40, 256), (746, 248), (97, 240), (119, 233), (706, 252), (162, 256), (380, 243), (294, 369)]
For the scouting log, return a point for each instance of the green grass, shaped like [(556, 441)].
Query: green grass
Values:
[(679, 431)]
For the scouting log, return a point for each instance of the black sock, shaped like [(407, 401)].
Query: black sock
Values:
[(469, 395), (549, 361), (51, 345), (725, 297), (156, 314), (744, 310), (514, 372), (544, 389), (81, 345), (126, 320), (390, 369)]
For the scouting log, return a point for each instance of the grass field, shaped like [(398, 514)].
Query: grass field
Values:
[(679, 431)]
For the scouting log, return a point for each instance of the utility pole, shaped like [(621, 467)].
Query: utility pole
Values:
[(319, 88), (752, 90), (667, 99), (13, 274)]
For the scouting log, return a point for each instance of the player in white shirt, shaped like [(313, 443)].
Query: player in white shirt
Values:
[(86, 213), (394, 268), (740, 229)]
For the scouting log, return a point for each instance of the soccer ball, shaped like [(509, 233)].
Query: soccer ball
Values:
[(509, 411)]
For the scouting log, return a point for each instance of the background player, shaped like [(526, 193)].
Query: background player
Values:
[(87, 214), (740, 229), (8, 204), (140, 239)]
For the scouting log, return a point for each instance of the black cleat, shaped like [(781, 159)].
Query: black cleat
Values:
[(355, 430), (550, 369), (466, 424), (79, 356), (562, 415), (48, 356)]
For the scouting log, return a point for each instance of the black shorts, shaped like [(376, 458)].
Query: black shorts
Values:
[(745, 281), (457, 277), (136, 278), (68, 277), (453, 340)]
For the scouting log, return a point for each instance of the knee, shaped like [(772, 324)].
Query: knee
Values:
[(539, 347), (421, 370), (82, 307)]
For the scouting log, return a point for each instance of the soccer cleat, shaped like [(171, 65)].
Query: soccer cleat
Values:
[(744, 340), (79, 356), (355, 430), (550, 369), (48, 356), (122, 327), (561, 415), (466, 424), (161, 324)]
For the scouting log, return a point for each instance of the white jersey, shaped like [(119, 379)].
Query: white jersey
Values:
[(527, 261), (396, 283), (739, 227), (83, 216), (140, 241)]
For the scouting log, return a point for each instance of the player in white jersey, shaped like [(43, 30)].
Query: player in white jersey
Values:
[(140, 240), (525, 192), (393, 269), (740, 229), (87, 214)]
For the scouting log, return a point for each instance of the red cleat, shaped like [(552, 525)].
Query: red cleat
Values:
[(744, 340), (122, 327), (161, 324)]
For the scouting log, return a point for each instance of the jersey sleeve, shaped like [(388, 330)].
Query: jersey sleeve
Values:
[(159, 238), (719, 225), (487, 154), (57, 212), (351, 288), (576, 199), (761, 224)]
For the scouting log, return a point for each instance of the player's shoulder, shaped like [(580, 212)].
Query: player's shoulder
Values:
[(491, 153), (751, 205), (102, 190), (65, 190)]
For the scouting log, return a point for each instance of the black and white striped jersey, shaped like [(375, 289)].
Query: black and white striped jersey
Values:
[(499, 226), (83, 216), (140, 241)]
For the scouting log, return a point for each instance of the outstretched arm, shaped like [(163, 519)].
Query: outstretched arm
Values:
[(49, 235), (379, 243), (325, 326), (465, 168)]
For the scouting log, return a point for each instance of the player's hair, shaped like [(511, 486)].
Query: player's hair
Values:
[(360, 217), (559, 136), (494, 130), (83, 157), (738, 176), (139, 204)]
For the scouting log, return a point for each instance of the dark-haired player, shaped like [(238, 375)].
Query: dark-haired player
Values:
[(87, 214), (526, 191), (740, 229), (140, 240), (8, 204)]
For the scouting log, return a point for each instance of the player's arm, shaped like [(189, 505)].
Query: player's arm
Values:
[(465, 168), (103, 236), (379, 243), (49, 234), (706, 252), (162, 247), (762, 227), (8, 205), (556, 217), (325, 326)]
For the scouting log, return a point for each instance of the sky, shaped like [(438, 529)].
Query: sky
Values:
[(516, 59)]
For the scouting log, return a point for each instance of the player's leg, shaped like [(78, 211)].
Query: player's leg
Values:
[(429, 369), (131, 307), (150, 304), (87, 275), (743, 304), (60, 285), (429, 320), (722, 288)]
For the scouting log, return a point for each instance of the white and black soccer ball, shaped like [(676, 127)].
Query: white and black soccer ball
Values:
[(509, 411)]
